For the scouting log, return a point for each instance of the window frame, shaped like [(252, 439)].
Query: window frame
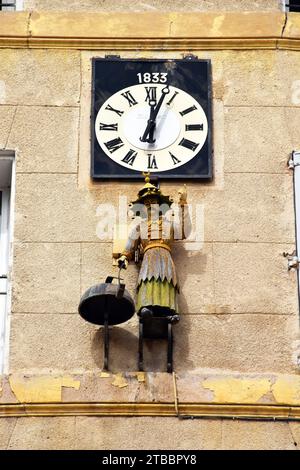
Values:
[(4, 247), (19, 5), (6, 229), (286, 6), (10, 3)]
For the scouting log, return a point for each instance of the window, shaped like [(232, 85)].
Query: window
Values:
[(6, 164), (11, 5), (291, 5), (7, 5)]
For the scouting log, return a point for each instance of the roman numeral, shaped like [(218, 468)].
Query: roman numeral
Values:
[(189, 144), (129, 98), (188, 110), (194, 127), (172, 98), (130, 157), (152, 162), (114, 144), (175, 160), (151, 93), (110, 108), (108, 127)]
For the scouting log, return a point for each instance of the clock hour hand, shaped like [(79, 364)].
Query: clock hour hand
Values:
[(153, 114)]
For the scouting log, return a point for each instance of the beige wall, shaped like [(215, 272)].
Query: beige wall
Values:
[(244, 294), (239, 302), (151, 5), (82, 433)]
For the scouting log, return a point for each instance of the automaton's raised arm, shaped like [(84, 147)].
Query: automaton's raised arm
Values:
[(183, 223)]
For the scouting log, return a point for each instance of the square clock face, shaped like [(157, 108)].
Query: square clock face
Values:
[(151, 116)]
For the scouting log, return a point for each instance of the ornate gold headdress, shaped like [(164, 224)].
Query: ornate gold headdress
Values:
[(150, 191)]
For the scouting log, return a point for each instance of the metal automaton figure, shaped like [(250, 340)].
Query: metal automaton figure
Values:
[(155, 227)]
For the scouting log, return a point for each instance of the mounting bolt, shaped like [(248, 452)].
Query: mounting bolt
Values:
[(190, 56), (294, 160)]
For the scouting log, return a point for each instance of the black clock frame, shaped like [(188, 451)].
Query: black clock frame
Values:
[(105, 84)]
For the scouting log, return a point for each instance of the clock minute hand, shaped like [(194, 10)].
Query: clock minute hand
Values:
[(153, 114), (152, 104), (151, 139)]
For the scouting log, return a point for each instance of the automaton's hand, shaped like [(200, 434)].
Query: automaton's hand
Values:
[(123, 262), (153, 114)]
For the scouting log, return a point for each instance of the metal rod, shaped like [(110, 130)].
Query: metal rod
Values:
[(170, 348), (106, 342), (141, 346)]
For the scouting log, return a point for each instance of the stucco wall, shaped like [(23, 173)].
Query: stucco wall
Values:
[(236, 291), (82, 433), (239, 302), (151, 5)]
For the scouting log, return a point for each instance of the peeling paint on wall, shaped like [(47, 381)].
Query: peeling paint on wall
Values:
[(237, 390), (141, 377), (41, 389), (104, 375), (217, 24), (119, 381), (286, 389)]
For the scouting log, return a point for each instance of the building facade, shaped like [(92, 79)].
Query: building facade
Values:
[(237, 345)]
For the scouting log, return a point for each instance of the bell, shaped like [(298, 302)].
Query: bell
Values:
[(106, 304)]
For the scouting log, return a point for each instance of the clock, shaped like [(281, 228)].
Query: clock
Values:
[(153, 116)]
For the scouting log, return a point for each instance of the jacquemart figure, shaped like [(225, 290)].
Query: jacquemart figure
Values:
[(155, 228)]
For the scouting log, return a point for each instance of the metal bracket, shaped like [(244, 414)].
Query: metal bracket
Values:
[(293, 260), (112, 56), (156, 328), (190, 56), (3, 285), (106, 342), (169, 337), (294, 160)]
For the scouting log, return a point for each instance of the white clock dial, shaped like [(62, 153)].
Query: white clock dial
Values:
[(180, 128)]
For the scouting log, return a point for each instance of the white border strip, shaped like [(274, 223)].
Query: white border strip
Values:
[(4, 363), (19, 5), (10, 262), (282, 4), (296, 166)]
